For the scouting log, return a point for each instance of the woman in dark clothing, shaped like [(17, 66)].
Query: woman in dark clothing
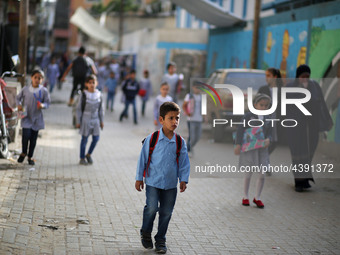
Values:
[(303, 139)]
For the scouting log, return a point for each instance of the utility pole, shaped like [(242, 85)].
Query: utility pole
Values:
[(23, 31), (255, 40), (121, 25)]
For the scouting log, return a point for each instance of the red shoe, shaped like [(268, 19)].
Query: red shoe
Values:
[(245, 202), (258, 203)]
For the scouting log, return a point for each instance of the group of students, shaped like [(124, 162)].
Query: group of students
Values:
[(169, 158), (164, 160), (33, 98)]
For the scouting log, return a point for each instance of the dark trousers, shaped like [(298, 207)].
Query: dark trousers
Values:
[(143, 107), (163, 202), (29, 136), (77, 81), (125, 111)]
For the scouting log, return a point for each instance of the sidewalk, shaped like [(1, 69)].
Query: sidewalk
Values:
[(60, 207)]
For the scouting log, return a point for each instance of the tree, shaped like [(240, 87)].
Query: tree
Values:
[(114, 6)]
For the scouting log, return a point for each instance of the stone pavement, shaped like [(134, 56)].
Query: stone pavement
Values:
[(60, 207)]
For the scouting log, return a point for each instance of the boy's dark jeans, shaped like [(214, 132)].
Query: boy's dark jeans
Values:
[(76, 82), (125, 112), (29, 136), (166, 200)]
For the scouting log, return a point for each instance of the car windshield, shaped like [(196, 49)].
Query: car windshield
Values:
[(243, 80), (214, 77)]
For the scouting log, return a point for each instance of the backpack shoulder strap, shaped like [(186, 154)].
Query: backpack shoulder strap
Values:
[(83, 101), (178, 147), (153, 142), (100, 102)]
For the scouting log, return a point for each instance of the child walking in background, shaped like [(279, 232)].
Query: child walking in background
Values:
[(145, 90), (173, 80), (111, 84), (160, 99), (130, 89), (192, 108), (52, 73), (257, 156), (274, 80), (163, 167), (31, 100), (90, 118)]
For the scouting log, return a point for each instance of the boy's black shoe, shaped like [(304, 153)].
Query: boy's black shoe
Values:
[(299, 189), (21, 158), (160, 247), (31, 161), (146, 240)]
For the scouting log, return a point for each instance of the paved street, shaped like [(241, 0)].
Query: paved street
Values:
[(61, 207)]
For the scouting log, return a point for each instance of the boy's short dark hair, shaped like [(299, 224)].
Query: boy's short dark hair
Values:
[(82, 50), (90, 78), (168, 107), (169, 65), (35, 71), (133, 71), (164, 84)]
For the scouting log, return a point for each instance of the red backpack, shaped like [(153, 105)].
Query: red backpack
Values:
[(153, 142)]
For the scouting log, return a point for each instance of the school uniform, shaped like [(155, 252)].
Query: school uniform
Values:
[(161, 181), (111, 84), (194, 121), (90, 119), (257, 157), (52, 75), (28, 98)]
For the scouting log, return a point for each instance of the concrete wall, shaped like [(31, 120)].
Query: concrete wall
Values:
[(156, 48)]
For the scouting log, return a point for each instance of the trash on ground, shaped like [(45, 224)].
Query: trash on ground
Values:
[(52, 221), (83, 221), (49, 226), (13, 160)]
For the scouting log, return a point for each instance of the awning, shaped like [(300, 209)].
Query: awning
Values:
[(90, 26), (209, 12)]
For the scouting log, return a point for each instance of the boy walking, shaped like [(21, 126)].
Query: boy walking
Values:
[(164, 161), (80, 67), (110, 84), (130, 90)]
